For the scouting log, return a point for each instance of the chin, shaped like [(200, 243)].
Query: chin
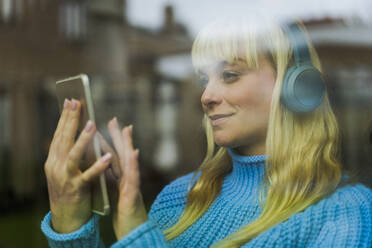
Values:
[(224, 141)]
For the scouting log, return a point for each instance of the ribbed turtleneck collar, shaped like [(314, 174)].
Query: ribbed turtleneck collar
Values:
[(245, 178), (246, 160)]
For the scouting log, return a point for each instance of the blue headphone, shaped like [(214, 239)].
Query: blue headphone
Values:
[(303, 86)]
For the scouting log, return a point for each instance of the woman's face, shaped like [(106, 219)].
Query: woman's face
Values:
[(237, 101)]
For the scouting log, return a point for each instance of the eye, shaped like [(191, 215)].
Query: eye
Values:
[(230, 76)]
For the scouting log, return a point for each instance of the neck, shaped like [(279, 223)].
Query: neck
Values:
[(258, 149)]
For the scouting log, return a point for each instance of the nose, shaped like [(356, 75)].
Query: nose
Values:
[(211, 96)]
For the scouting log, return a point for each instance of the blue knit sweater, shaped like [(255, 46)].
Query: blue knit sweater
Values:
[(343, 219)]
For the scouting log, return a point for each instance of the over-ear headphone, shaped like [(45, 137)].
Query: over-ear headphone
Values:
[(303, 86)]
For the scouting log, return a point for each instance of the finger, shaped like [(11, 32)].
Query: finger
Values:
[(127, 137), (97, 168), (61, 123), (71, 126), (115, 163), (134, 170), (114, 131), (77, 151), (128, 143), (132, 178)]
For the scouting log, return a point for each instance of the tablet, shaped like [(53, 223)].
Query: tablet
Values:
[(78, 88)]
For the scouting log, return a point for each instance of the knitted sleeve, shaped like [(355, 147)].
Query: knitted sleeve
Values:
[(166, 207), (146, 235), (350, 222), (87, 236)]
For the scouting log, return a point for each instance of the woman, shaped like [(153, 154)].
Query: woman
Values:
[(274, 181)]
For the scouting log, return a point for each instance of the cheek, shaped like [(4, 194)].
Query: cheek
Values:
[(253, 106), (243, 93), (256, 98), (252, 91), (249, 98)]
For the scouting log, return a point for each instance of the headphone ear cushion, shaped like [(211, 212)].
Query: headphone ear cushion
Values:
[(303, 89)]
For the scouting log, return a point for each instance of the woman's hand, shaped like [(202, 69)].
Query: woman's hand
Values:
[(130, 211), (68, 186)]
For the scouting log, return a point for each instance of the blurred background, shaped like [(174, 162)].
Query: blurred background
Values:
[(137, 56)]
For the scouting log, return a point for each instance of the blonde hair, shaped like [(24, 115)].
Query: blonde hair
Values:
[(302, 151)]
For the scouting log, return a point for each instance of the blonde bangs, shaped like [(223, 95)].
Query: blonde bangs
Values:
[(226, 41)]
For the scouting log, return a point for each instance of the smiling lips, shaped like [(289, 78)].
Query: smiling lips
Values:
[(217, 119)]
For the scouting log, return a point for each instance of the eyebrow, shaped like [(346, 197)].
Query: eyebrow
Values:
[(236, 62), (219, 66), (224, 63)]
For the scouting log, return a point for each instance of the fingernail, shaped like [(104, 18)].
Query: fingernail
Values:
[(131, 128), (73, 104), (107, 157), (89, 126), (136, 153), (65, 104), (112, 121)]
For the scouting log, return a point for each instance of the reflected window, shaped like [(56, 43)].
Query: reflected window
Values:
[(11, 10), (7, 9), (73, 20)]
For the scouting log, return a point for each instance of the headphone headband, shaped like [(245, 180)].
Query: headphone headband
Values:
[(298, 41)]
